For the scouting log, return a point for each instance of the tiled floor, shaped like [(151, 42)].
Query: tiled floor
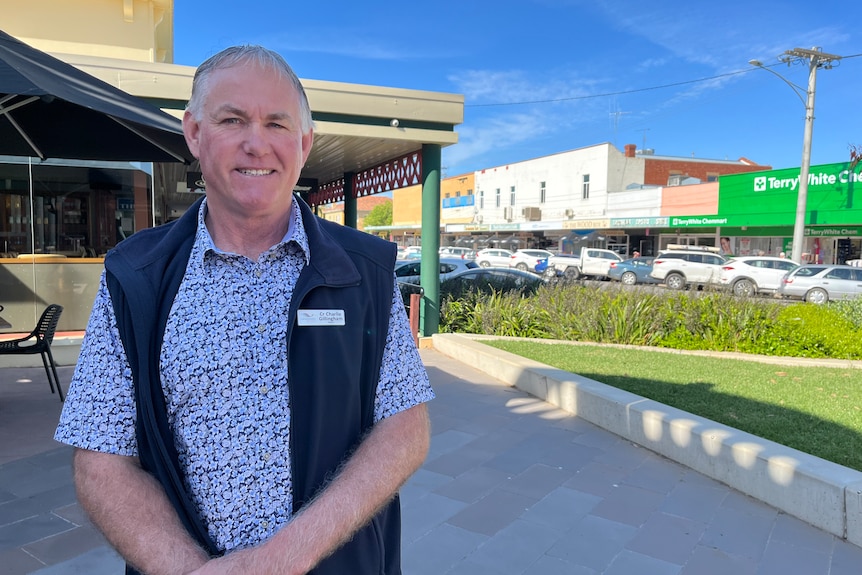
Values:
[(512, 486)]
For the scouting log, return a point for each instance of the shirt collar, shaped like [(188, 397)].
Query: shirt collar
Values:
[(295, 233)]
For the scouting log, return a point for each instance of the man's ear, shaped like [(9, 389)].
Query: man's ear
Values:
[(192, 130)]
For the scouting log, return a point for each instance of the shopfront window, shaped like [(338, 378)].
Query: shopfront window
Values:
[(59, 217)]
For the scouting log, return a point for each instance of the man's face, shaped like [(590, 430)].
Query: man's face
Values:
[(249, 141)]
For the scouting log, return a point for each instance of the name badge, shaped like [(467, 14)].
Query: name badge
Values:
[(320, 317)]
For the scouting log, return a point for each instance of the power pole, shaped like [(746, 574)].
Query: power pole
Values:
[(816, 59)]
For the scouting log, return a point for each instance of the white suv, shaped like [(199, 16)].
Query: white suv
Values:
[(680, 266), (748, 275), (527, 260)]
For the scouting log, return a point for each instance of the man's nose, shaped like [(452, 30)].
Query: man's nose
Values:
[(255, 142)]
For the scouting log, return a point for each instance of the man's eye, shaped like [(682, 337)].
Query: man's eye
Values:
[(231, 121)]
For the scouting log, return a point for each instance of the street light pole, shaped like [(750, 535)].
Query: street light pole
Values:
[(816, 59)]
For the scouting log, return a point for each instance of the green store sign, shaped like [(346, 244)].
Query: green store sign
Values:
[(769, 198)]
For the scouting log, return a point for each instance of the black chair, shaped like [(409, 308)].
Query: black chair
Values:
[(39, 341)]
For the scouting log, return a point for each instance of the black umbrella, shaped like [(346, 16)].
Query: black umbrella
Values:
[(49, 108)]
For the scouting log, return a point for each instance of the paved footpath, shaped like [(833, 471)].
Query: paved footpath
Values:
[(512, 486)]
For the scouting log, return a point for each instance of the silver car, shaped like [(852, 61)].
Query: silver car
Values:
[(408, 271), (820, 283)]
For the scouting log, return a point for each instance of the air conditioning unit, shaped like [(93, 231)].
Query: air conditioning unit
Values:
[(570, 213), (507, 213), (532, 214)]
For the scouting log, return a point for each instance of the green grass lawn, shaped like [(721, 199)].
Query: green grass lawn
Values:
[(813, 409)]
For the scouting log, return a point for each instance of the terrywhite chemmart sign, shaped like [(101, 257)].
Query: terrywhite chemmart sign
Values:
[(769, 198), (815, 179)]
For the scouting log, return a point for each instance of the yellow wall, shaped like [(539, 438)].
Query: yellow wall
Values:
[(456, 184), (407, 202), (139, 30), (407, 206)]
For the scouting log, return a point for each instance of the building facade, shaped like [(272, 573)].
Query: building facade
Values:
[(58, 217)]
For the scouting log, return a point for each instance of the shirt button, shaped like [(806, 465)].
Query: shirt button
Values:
[(258, 273), (264, 524), (261, 328), (264, 389), (266, 456)]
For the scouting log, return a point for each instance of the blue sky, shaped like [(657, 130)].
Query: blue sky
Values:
[(545, 76)]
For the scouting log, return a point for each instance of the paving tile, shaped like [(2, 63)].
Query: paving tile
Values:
[(99, 561), (594, 542), (425, 514), (629, 505), (66, 545), (739, 533), (629, 562), (596, 478), (556, 566), (515, 547), (537, 481), (32, 529), (493, 512), (796, 533), (460, 461), (562, 509), (783, 559), (30, 506), (708, 560), (656, 473), (440, 549), (447, 442), (667, 537), (16, 561), (846, 559), (694, 501), (474, 484)]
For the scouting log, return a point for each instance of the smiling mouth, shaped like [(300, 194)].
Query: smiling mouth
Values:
[(255, 172)]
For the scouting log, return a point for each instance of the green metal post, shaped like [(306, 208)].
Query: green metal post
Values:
[(429, 321), (350, 210)]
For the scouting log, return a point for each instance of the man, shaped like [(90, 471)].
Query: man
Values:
[(248, 398)]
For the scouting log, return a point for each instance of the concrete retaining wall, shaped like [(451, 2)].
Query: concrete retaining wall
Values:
[(824, 494)]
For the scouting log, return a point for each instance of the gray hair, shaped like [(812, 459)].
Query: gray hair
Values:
[(236, 55)]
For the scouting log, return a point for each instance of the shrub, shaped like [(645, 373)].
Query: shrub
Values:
[(808, 330), (709, 320)]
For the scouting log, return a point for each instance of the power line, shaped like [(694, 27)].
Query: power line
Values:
[(634, 91)]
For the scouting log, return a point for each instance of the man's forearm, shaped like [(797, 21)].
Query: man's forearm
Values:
[(130, 507), (387, 457)]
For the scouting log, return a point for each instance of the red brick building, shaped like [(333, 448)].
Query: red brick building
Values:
[(672, 170)]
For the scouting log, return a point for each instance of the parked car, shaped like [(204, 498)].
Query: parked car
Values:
[(680, 266), (409, 270), (458, 252), (749, 275), (527, 260), (493, 257), (490, 280), (410, 253), (589, 262), (632, 271), (820, 283)]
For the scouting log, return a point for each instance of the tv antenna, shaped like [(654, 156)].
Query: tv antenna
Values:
[(615, 114)]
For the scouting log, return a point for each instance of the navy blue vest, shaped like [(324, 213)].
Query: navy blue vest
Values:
[(334, 370)]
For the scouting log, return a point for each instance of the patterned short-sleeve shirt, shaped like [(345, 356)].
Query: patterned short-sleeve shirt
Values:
[(224, 372)]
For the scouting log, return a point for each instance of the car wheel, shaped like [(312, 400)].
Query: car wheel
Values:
[(485, 264), (522, 266), (817, 295), (744, 288), (674, 281), (629, 278), (572, 273)]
